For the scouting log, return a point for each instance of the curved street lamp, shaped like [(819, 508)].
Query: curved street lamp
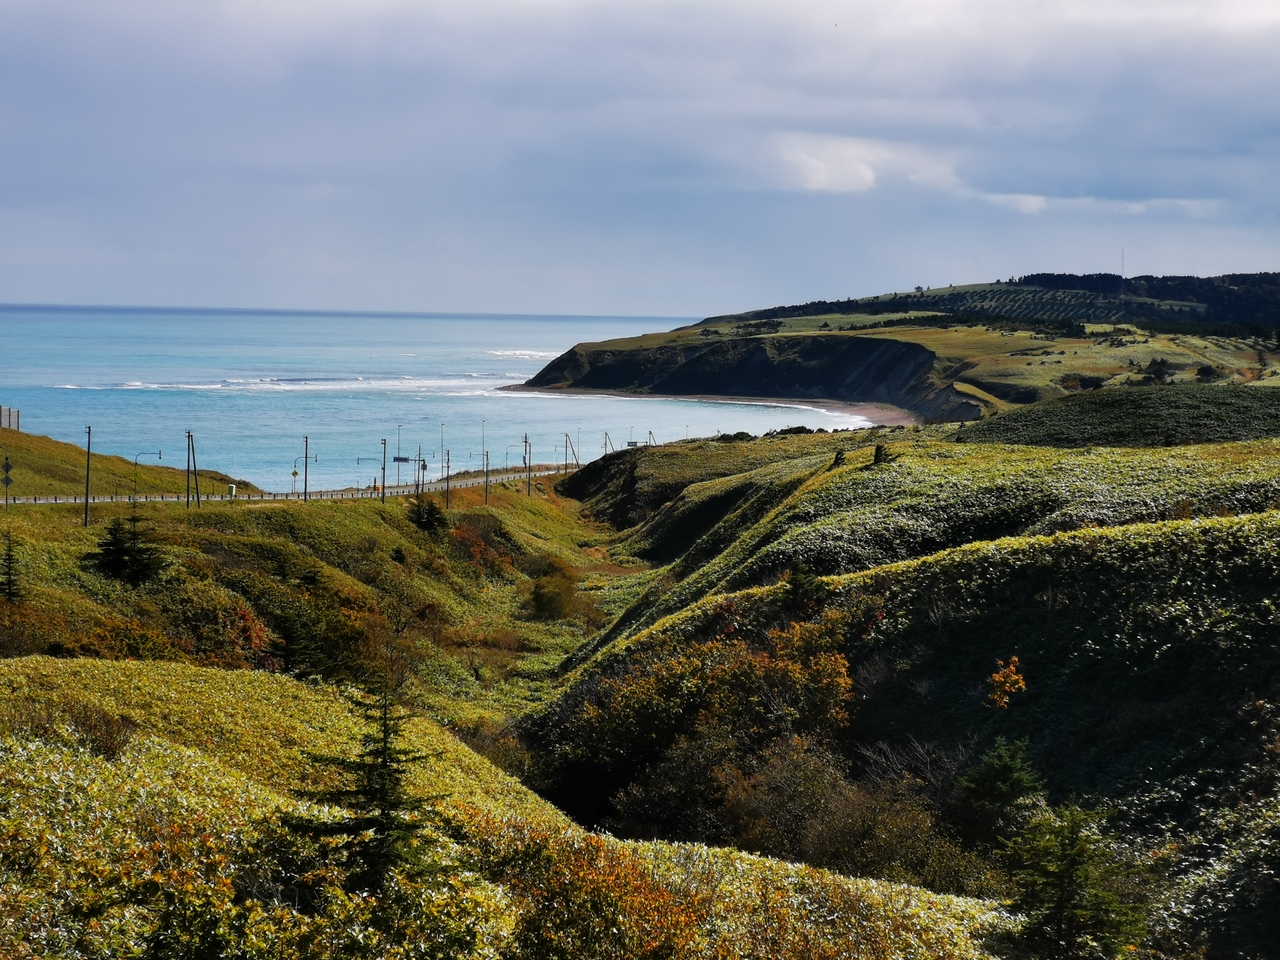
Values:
[(155, 454)]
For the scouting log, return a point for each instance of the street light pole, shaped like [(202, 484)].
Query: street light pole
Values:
[(384, 469), (398, 426), (145, 453), (88, 446)]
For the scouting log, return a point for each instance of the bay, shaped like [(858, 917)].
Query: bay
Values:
[(249, 385)]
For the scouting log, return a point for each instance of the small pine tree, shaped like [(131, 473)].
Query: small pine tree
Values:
[(383, 815), (10, 584), (1079, 898), (988, 796), (426, 515), (805, 591), (126, 552)]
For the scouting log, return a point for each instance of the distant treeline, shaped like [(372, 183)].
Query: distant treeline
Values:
[(1237, 304)]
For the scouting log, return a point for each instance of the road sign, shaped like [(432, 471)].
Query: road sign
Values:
[(6, 480), (295, 473), (399, 459), (7, 467)]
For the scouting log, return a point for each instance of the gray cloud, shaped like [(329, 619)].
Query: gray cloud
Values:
[(623, 156)]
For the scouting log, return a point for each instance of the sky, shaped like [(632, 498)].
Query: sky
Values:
[(635, 157)]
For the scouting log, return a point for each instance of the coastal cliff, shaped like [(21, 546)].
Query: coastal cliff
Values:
[(849, 369)]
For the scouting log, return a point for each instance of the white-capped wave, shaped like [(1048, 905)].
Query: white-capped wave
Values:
[(524, 354)]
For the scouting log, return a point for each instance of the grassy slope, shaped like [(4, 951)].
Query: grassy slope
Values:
[(44, 468), (309, 576), (1048, 554), (747, 529), (218, 751), (1179, 414)]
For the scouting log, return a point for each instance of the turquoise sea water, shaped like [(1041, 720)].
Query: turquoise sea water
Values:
[(250, 384)]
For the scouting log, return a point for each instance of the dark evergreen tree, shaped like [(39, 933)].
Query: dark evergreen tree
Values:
[(383, 815), (986, 805), (805, 591), (1080, 898), (10, 584), (126, 552), (426, 515)]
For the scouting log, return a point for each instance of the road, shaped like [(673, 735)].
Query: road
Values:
[(402, 490)]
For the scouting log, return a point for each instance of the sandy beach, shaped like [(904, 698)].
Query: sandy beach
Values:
[(880, 414)]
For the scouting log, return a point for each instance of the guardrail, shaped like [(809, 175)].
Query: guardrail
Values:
[(402, 490)]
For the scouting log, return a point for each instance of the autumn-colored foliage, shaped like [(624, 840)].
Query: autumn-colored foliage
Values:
[(1005, 682)]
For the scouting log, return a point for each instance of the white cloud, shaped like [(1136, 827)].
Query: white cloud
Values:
[(831, 164)]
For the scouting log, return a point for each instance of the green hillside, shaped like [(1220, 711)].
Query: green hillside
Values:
[(1109, 611), (868, 693), (43, 467), (749, 528), (1249, 300), (1180, 414), (148, 810)]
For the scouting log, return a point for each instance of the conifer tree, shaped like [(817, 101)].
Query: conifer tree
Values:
[(126, 552), (1080, 899), (10, 584), (383, 815)]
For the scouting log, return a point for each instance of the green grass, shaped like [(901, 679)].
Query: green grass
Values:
[(1154, 417), (178, 841), (933, 494), (1150, 654), (307, 580), (45, 468)]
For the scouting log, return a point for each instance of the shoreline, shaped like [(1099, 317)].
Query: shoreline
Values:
[(880, 414)]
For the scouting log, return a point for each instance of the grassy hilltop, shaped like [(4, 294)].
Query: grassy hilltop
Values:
[(1005, 689), (957, 354), (45, 468)]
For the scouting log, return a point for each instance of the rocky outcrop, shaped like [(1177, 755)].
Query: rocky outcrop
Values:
[(852, 369)]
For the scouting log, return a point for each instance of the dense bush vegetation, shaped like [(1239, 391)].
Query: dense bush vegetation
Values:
[(1168, 416), (168, 850)]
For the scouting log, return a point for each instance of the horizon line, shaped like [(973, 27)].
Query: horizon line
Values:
[(299, 311)]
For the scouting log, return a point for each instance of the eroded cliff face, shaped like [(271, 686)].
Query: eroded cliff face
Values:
[(846, 368)]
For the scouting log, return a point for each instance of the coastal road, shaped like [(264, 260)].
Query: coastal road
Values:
[(368, 493)]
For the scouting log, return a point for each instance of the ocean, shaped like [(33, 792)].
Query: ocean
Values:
[(250, 385)]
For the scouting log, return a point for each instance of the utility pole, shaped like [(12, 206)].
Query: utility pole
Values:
[(188, 474), (384, 469), (447, 473), (398, 460), (195, 469), (418, 467), (88, 446), (306, 457), (5, 480), (528, 467), (486, 478), (442, 451)]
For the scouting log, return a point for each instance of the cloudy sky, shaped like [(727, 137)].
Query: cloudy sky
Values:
[(624, 156)]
